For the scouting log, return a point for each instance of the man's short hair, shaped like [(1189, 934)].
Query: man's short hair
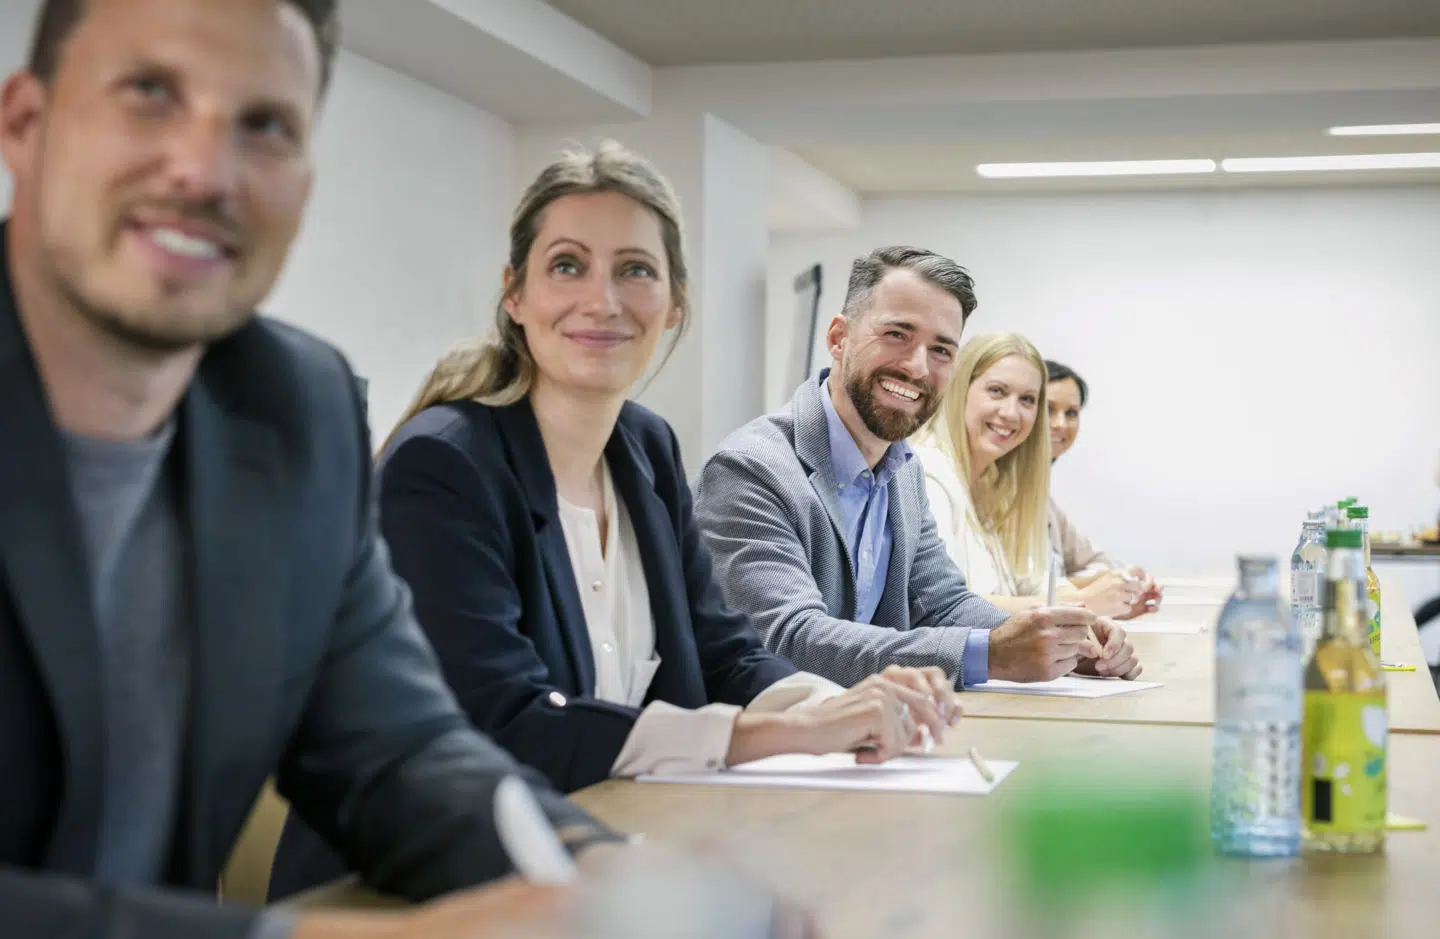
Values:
[(939, 270), (57, 19)]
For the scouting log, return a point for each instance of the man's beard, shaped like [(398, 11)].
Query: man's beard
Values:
[(164, 335), (890, 424), (170, 323)]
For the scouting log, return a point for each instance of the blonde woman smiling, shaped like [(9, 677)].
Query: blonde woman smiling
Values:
[(988, 481)]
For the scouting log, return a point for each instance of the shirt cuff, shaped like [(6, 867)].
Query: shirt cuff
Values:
[(273, 924), (668, 740), (975, 666), (799, 690)]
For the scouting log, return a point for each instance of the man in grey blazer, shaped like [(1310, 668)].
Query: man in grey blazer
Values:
[(817, 518)]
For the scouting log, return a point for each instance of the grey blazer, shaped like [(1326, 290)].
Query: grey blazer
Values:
[(768, 507)]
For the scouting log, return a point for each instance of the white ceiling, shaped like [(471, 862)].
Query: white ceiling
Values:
[(692, 32), (921, 125), (908, 168), (521, 61), (894, 96)]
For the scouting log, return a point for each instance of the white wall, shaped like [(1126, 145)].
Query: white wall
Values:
[(735, 243), (15, 18), (1251, 354), (404, 239)]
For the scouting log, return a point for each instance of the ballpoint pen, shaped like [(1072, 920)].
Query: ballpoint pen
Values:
[(981, 766)]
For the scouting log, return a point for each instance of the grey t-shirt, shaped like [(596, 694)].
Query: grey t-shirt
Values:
[(125, 494)]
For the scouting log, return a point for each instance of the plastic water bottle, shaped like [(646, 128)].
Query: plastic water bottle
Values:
[(1255, 792), (1307, 581)]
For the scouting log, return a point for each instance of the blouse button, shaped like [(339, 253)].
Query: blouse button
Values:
[(557, 699), (596, 586)]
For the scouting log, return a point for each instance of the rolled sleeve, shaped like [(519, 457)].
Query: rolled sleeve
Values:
[(667, 739), (797, 691)]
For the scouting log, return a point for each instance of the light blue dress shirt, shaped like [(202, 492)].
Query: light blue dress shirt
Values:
[(864, 497)]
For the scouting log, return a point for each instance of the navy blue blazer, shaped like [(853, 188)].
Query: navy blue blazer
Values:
[(306, 662), (469, 509)]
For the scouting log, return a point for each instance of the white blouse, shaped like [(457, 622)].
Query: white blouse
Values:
[(615, 596), (976, 550)]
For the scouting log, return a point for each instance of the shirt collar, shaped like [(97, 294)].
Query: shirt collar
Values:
[(845, 457)]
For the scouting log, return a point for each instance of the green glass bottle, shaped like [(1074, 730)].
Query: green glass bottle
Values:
[(1346, 727)]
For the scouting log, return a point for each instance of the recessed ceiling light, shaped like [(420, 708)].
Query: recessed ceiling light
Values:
[(1096, 168), (1348, 161), (1383, 130)]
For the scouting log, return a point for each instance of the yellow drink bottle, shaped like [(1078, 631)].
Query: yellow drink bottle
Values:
[(1345, 732)]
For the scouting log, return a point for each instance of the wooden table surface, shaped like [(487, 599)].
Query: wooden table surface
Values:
[(1185, 664), (905, 866), (893, 866)]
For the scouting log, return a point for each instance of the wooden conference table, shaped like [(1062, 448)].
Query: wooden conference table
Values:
[(1185, 663), (905, 866)]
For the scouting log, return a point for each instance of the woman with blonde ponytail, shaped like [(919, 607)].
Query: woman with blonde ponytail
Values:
[(988, 481), (545, 526)]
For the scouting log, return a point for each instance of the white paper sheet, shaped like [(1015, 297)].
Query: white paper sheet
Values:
[(938, 774), (1154, 624), (1070, 686)]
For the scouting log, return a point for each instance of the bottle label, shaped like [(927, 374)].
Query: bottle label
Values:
[(1344, 762), (1372, 616), (1263, 687), (1305, 587)]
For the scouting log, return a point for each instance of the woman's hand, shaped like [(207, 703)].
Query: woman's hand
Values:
[(1114, 593), (1149, 593), (877, 719)]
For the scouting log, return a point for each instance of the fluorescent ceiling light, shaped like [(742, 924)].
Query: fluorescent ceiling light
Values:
[(1349, 161), (1384, 130), (1103, 168)]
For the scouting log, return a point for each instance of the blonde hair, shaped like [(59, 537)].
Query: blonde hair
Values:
[(498, 370), (1012, 496)]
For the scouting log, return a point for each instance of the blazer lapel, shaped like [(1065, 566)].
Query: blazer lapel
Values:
[(812, 446), (904, 525), (677, 682), (823, 482), (238, 509), (44, 565), (531, 466)]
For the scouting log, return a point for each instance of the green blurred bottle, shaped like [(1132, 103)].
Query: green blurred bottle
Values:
[(1345, 734), (1359, 517)]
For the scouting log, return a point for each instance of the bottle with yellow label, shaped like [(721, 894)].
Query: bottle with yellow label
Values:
[(1359, 517), (1346, 727)]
